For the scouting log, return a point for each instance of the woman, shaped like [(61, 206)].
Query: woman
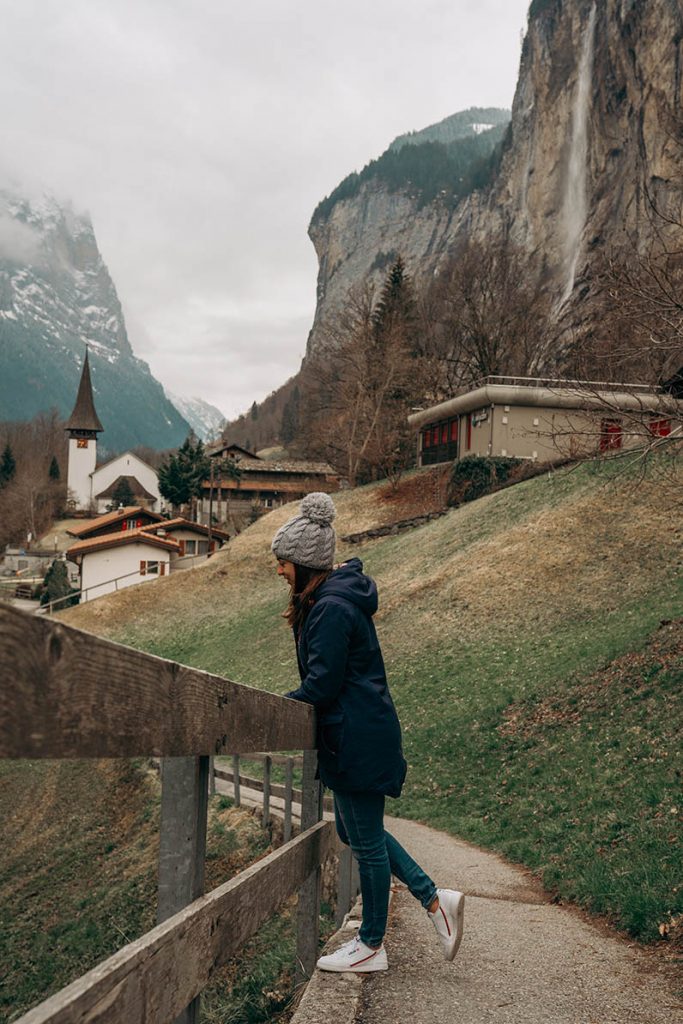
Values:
[(359, 736)]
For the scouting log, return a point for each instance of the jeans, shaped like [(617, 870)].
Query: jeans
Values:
[(360, 824)]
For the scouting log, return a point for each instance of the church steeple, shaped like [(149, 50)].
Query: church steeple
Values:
[(84, 421), (83, 426)]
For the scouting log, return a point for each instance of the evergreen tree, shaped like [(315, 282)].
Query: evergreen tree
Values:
[(8, 466), (122, 494), (53, 472), (254, 411), (182, 475), (56, 585)]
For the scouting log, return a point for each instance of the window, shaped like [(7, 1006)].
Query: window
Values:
[(660, 427), (153, 568), (610, 435), (426, 438), (454, 430), (202, 547), (82, 442), (444, 433)]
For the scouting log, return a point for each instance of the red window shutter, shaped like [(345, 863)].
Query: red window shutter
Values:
[(660, 427), (143, 568), (124, 525), (213, 546), (469, 430), (444, 434), (454, 430), (182, 548), (162, 568), (139, 523)]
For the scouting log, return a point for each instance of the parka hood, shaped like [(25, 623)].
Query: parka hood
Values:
[(350, 582)]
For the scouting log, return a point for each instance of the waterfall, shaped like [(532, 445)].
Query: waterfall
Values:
[(575, 205)]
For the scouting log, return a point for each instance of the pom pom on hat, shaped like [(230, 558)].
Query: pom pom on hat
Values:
[(309, 538), (319, 508)]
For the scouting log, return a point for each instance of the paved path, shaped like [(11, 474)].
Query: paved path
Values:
[(522, 960)]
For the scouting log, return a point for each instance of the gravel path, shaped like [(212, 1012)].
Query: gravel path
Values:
[(523, 960)]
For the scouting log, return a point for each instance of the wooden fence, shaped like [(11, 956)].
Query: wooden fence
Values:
[(69, 694)]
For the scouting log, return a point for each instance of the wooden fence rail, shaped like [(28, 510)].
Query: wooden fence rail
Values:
[(67, 693)]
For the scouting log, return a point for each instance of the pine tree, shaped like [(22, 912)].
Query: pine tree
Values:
[(254, 411), (53, 472), (122, 494), (8, 466), (182, 475)]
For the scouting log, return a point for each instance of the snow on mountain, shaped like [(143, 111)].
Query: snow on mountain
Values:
[(56, 298), (206, 420)]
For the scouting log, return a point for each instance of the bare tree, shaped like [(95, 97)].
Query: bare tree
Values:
[(488, 314)]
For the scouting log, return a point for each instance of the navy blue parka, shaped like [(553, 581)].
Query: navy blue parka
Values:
[(343, 677)]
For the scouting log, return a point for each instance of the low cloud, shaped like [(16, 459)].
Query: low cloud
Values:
[(19, 243)]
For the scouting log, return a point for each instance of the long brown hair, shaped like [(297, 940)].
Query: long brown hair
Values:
[(306, 581)]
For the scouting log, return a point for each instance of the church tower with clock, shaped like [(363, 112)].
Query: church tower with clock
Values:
[(82, 428)]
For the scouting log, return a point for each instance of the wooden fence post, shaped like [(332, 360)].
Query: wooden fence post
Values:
[(182, 842), (289, 786), (266, 791), (308, 913), (236, 778)]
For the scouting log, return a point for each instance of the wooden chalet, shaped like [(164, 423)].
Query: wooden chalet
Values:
[(261, 483)]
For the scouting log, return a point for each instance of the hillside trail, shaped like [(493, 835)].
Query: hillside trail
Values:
[(523, 959)]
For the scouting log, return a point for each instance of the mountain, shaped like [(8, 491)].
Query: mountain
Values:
[(56, 297), (466, 124), (594, 144), (206, 420)]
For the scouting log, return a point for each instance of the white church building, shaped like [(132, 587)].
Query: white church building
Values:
[(93, 488)]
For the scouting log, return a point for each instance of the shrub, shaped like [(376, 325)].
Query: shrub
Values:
[(476, 475)]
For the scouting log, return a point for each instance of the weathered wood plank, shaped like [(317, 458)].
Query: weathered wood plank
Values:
[(288, 795), (68, 693), (155, 977), (182, 843)]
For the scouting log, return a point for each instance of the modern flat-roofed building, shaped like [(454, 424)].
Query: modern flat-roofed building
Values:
[(548, 420)]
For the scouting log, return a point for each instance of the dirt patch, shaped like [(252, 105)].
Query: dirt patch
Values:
[(637, 671)]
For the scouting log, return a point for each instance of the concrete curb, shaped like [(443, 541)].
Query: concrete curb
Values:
[(335, 997)]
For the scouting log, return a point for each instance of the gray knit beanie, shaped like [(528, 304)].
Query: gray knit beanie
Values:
[(309, 539)]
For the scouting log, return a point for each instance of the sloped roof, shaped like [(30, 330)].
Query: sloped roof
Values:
[(110, 518), (285, 466), (180, 523), (136, 488), (121, 455), (218, 449), (84, 416), (114, 540)]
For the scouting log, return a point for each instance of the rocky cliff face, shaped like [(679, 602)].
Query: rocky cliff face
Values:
[(591, 139), (56, 296)]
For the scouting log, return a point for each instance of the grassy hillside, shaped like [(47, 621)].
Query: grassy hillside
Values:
[(538, 691)]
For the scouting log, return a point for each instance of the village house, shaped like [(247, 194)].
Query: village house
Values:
[(114, 561), (261, 483), (133, 545), (195, 541), (545, 420)]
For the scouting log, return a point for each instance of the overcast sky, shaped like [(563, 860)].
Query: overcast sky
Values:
[(201, 134)]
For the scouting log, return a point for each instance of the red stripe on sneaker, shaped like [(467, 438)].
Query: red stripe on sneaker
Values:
[(446, 920), (364, 959)]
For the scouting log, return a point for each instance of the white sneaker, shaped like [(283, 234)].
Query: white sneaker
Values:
[(355, 956), (448, 920)]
